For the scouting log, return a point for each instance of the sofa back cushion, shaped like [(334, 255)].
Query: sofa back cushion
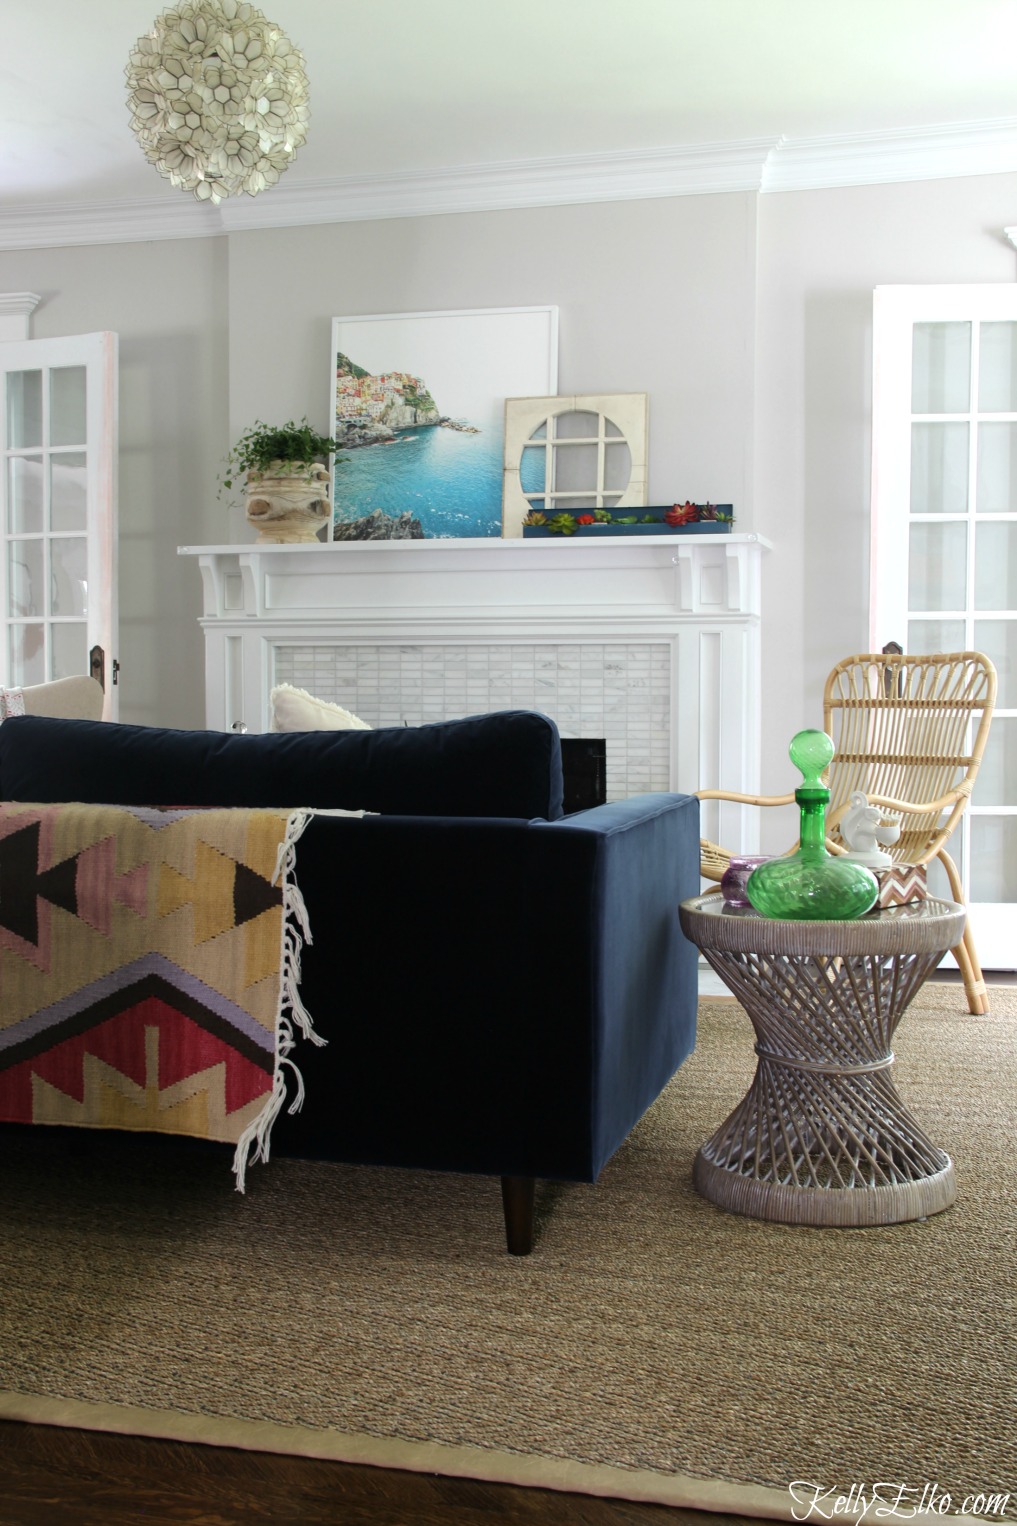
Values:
[(504, 764)]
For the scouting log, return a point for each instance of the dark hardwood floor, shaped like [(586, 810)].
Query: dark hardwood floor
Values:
[(52, 1477)]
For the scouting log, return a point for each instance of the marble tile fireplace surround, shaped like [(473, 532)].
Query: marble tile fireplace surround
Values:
[(651, 643)]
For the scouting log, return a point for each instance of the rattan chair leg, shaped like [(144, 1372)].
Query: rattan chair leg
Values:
[(974, 982), (965, 954)]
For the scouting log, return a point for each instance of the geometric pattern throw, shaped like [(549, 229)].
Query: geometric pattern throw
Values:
[(148, 967)]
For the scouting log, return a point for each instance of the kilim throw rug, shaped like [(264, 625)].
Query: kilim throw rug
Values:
[(653, 1347), (148, 965)]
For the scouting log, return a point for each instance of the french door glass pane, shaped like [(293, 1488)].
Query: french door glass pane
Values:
[(941, 368), (997, 778), (939, 468), (24, 410), (996, 566), (68, 491), (69, 576), (997, 469), (26, 578), (28, 654), (928, 636), (993, 858), (67, 405), (997, 368), (69, 649), (937, 566), (998, 640), (24, 494)]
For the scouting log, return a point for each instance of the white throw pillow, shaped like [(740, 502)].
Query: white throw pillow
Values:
[(296, 710), (76, 698)]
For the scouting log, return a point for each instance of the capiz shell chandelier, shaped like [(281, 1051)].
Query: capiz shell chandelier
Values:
[(218, 98)]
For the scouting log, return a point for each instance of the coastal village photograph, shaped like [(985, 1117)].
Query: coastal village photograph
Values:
[(418, 416), (375, 411)]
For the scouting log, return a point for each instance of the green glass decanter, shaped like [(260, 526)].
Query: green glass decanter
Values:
[(812, 884)]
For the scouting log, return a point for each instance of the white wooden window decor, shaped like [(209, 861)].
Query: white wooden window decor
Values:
[(573, 453)]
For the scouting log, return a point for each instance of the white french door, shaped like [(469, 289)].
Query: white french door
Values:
[(58, 439), (944, 541)]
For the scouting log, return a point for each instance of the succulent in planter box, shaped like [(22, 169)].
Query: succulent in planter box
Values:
[(676, 519)]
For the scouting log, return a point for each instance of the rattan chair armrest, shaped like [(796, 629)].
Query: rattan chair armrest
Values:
[(911, 808), (723, 794)]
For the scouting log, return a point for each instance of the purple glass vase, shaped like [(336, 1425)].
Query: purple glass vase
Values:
[(736, 876)]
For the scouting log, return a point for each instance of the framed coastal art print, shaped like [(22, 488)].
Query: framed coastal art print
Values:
[(418, 417)]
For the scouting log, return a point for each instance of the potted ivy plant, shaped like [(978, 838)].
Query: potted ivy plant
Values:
[(285, 471)]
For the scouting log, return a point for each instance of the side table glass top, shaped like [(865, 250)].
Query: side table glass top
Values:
[(918, 926)]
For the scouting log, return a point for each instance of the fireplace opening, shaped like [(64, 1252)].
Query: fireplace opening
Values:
[(584, 767)]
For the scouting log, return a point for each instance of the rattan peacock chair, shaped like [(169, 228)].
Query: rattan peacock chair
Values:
[(909, 732)]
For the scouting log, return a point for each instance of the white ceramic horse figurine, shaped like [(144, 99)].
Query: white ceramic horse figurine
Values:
[(862, 829)]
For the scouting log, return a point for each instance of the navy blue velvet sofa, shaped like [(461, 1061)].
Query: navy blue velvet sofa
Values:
[(504, 990)]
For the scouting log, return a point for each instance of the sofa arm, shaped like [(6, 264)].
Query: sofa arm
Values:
[(501, 997), (646, 986)]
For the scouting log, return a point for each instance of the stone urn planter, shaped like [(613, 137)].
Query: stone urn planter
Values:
[(288, 501), (285, 474)]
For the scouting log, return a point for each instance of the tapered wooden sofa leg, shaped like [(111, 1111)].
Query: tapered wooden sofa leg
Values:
[(517, 1201)]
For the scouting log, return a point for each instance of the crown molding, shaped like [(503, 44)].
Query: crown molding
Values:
[(886, 158), (688, 171), (763, 165), (107, 222)]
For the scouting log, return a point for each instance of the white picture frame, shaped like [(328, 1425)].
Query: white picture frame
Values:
[(440, 478)]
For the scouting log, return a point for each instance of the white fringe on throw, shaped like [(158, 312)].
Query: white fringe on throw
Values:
[(253, 1144)]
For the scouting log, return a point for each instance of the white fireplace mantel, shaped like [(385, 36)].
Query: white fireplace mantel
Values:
[(653, 639)]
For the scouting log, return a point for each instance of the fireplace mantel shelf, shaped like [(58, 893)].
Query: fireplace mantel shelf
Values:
[(651, 641), (631, 575), (494, 545)]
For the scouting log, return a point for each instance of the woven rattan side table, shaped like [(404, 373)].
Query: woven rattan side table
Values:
[(821, 1136)]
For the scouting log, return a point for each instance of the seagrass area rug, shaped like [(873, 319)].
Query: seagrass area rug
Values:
[(653, 1347)]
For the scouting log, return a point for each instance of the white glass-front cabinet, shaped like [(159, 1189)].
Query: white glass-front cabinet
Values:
[(944, 540), (58, 435)]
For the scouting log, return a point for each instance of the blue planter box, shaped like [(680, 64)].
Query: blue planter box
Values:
[(593, 532)]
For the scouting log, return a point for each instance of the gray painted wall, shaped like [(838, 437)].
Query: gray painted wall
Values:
[(747, 320), (821, 253), (653, 296), (168, 303)]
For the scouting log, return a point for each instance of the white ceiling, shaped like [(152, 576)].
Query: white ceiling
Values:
[(428, 92)]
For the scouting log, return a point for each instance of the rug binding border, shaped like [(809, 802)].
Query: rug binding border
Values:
[(525, 1470)]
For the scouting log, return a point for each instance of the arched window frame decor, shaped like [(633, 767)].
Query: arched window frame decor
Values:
[(622, 419)]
